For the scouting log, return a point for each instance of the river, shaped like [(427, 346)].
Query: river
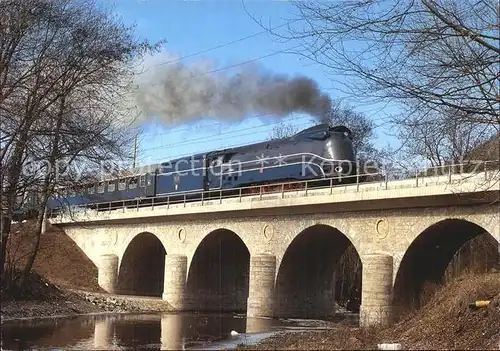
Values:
[(160, 331)]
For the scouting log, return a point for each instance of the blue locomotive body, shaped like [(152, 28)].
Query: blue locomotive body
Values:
[(318, 152)]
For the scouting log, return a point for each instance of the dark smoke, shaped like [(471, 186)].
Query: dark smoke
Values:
[(177, 93)]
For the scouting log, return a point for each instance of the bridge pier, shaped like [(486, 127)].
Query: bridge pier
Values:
[(108, 273), (260, 301), (376, 291), (175, 280)]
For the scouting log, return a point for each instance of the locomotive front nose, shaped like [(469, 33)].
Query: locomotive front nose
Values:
[(340, 153), (339, 148)]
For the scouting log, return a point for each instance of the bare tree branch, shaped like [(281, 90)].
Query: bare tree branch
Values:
[(67, 69)]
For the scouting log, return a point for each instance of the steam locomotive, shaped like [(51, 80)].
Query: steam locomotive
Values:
[(319, 152)]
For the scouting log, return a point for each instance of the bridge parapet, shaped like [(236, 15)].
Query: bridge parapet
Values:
[(451, 189)]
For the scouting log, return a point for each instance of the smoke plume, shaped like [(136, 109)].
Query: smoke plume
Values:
[(177, 93)]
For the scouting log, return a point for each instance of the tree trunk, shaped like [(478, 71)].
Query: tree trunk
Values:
[(47, 190), (13, 175)]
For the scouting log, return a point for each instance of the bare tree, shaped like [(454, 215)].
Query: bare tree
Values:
[(487, 151), (441, 138), (361, 126), (63, 103), (283, 130), (432, 57), (348, 279)]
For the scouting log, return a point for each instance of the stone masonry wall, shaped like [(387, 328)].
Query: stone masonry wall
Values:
[(388, 232)]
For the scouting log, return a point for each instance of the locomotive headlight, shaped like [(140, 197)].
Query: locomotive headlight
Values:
[(338, 169)]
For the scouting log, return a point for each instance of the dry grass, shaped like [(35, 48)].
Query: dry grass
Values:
[(446, 322)]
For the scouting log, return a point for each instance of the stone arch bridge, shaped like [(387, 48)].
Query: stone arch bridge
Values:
[(274, 255)]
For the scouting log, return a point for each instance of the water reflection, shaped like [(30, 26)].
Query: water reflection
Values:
[(103, 333), (132, 331), (171, 332)]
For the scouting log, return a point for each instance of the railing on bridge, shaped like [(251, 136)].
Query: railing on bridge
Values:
[(490, 170)]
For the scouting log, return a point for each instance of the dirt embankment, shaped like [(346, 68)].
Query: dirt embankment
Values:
[(59, 260), (43, 299), (446, 322)]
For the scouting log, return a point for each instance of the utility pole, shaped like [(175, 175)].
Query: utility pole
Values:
[(135, 150)]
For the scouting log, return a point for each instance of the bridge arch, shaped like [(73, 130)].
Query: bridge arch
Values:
[(142, 266), (308, 277), (218, 274), (430, 255)]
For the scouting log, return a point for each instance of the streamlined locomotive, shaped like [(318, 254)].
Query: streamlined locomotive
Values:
[(322, 151)]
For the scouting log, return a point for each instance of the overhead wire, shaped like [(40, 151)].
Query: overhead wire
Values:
[(230, 134), (238, 64), (193, 141), (233, 134), (218, 124), (230, 66), (201, 151), (155, 134), (227, 43)]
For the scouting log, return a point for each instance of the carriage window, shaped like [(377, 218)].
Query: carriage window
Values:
[(142, 181), (111, 186), (100, 187), (133, 183), (122, 184), (90, 189)]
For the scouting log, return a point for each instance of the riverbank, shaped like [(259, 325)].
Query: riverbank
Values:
[(73, 304), (63, 302), (68, 304), (63, 281), (446, 322)]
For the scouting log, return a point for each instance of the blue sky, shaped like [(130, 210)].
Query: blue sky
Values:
[(193, 26)]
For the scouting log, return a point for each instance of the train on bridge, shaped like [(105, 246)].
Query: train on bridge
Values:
[(319, 152)]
